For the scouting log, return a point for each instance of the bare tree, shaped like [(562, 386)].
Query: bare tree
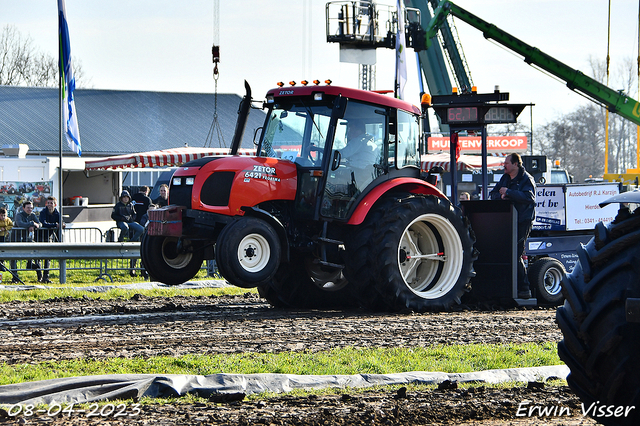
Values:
[(577, 139), (22, 65)]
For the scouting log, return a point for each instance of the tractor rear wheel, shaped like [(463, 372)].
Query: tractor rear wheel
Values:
[(412, 252), (170, 260), (600, 345)]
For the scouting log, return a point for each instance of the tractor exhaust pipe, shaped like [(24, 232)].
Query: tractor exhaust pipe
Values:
[(243, 115)]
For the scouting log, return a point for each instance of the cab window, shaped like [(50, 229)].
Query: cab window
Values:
[(407, 141)]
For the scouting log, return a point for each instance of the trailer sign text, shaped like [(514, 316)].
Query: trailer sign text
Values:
[(573, 207)]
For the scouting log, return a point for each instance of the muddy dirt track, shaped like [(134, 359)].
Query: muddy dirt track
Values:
[(145, 327)]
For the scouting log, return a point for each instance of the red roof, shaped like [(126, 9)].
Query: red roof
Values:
[(361, 95)]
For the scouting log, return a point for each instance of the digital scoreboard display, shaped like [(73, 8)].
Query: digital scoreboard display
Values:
[(485, 114), (462, 115), (500, 114)]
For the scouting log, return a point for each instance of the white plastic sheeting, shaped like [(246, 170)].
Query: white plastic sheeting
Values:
[(76, 390)]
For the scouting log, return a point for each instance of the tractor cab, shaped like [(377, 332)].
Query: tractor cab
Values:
[(343, 142)]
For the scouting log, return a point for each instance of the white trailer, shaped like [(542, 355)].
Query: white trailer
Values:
[(566, 215)]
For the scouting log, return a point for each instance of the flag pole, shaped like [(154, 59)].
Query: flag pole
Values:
[(60, 129), (66, 85)]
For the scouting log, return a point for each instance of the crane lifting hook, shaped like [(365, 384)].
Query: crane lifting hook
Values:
[(215, 51)]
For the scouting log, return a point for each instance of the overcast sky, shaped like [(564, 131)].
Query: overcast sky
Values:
[(165, 45)]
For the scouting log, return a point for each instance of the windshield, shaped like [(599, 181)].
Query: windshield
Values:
[(296, 132)]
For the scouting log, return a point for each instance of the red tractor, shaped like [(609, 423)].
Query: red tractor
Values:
[(333, 210)]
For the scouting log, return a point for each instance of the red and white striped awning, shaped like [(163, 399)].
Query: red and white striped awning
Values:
[(466, 162), (163, 158)]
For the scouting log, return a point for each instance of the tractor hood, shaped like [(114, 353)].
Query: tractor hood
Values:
[(226, 184)]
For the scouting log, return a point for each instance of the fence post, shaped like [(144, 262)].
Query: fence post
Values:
[(63, 271)]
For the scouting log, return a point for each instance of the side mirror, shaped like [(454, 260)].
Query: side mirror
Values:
[(335, 161), (255, 134)]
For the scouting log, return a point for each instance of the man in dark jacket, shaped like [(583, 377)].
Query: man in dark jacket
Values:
[(141, 202), (50, 219), (29, 222), (125, 216), (518, 186)]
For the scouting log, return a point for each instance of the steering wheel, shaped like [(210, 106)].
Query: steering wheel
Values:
[(314, 151)]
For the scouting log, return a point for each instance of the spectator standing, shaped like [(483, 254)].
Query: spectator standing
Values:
[(134, 262), (29, 221), (5, 229), (5, 225), (163, 199), (518, 187), (50, 219), (125, 216), (141, 202)]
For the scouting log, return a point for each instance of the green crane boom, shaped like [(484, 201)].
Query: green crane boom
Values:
[(614, 101)]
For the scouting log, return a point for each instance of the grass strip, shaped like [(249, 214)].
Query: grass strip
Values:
[(89, 272), (444, 358), (116, 293)]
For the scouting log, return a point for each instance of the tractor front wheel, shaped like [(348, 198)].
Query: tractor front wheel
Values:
[(169, 259), (248, 252)]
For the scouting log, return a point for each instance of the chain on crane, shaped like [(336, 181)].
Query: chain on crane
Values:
[(215, 125)]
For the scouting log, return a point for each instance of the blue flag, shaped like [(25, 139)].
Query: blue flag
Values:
[(68, 84), (401, 59)]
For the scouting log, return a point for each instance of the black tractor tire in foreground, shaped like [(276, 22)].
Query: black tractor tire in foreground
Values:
[(169, 260), (299, 284), (600, 346), (412, 253), (248, 252), (545, 276)]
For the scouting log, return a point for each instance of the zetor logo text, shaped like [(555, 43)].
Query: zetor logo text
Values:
[(285, 92), (265, 169), (261, 172)]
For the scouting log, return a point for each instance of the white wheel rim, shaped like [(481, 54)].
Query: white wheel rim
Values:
[(552, 280), (430, 268), (254, 253), (180, 260)]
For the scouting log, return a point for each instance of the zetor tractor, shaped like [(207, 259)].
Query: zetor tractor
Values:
[(333, 210)]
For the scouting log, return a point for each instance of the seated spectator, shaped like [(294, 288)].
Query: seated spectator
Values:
[(141, 202), (50, 219), (163, 198), (29, 222), (125, 216)]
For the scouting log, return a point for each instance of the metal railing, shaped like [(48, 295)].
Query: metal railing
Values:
[(92, 255), (70, 235), (82, 249)]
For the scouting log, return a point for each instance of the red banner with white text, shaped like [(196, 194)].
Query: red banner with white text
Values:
[(473, 144)]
